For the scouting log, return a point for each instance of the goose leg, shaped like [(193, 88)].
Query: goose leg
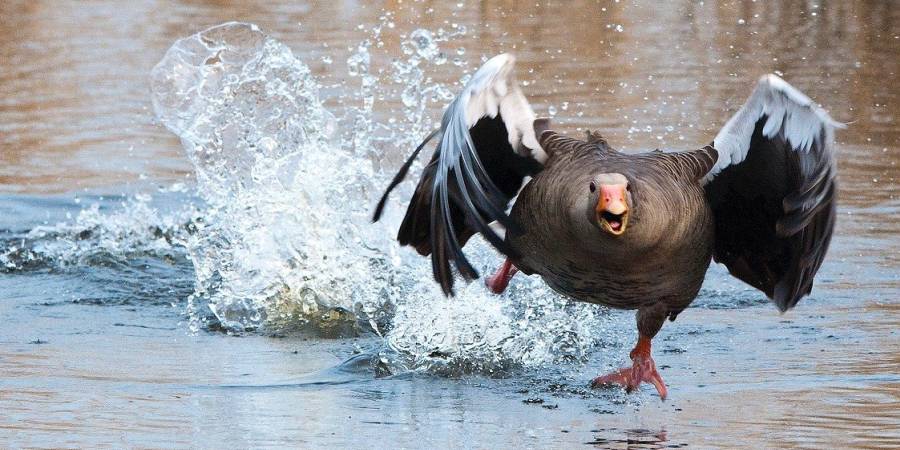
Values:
[(500, 280), (643, 368)]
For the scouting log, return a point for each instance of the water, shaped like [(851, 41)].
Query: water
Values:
[(224, 286)]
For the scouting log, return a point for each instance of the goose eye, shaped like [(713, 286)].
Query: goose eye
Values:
[(593, 186)]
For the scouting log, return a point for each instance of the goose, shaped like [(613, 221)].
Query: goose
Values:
[(634, 231)]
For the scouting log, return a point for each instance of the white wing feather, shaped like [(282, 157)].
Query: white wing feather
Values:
[(493, 89), (785, 108)]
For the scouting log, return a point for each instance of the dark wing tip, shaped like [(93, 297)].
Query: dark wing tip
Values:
[(789, 291), (379, 209), (401, 174)]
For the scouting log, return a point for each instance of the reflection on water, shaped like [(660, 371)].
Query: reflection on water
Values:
[(92, 354), (632, 439)]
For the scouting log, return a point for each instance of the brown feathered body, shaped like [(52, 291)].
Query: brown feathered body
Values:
[(658, 264)]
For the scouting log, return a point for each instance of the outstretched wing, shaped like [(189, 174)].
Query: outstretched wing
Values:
[(772, 191), (486, 148)]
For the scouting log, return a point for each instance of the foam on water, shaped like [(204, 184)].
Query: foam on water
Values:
[(101, 234)]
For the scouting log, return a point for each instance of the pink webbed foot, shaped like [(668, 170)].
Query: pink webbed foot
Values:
[(500, 280), (642, 370)]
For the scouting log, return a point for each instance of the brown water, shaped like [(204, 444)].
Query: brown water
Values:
[(98, 356)]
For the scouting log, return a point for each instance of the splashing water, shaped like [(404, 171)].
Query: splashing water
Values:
[(284, 238), (98, 237), (285, 204)]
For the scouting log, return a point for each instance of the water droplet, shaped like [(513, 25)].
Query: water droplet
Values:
[(410, 96), (358, 63), (423, 43)]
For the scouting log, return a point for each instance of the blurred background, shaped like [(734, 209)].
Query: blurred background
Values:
[(76, 109)]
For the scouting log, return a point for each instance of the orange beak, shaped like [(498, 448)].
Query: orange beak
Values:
[(612, 209)]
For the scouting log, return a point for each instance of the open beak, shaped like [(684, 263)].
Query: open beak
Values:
[(612, 209)]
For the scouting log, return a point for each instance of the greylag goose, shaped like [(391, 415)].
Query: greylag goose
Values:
[(629, 231)]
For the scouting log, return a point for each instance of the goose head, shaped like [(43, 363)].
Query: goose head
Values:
[(611, 200)]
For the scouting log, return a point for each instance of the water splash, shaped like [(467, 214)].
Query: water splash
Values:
[(278, 235), (97, 236), (422, 49), (480, 332), (285, 238), (282, 235)]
